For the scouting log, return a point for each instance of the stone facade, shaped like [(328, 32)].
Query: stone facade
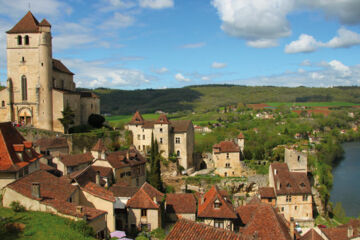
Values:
[(38, 86), (226, 157), (296, 161), (173, 137)]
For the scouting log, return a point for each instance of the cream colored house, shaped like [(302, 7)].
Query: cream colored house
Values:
[(227, 160), (17, 156), (174, 137), (39, 87), (292, 192)]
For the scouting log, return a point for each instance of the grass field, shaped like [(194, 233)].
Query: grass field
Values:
[(312, 104), (40, 226), (126, 118)]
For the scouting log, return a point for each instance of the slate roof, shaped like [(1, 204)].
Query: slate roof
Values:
[(290, 182), (188, 230), (265, 221), (60, 67), (54, 191), (267, 192), (28, 24), (77, 159), (207, 209), (55, 142), (12, 141), (227, 147), (144, 198), (180, 203)]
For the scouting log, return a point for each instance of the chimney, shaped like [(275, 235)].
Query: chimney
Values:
[(97, 178), (292, 228), (154, 199), (127, 155), (79, 209), (278, 185), (350, 232), (35, 190)]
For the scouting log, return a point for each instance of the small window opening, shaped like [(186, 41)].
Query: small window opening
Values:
[(19, 40), (27, 41)]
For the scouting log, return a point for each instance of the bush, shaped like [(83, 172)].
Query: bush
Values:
[(81, 227), (96, 120), (80, 128), (170, 189), (17, 207), (158, 233)]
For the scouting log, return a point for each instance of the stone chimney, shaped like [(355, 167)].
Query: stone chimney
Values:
[(79, 209), (350, 232), (292, 228), (97, 178), (278, 185), (35, 190)]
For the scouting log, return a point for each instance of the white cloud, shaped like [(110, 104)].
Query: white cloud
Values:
[(66, 41), (340, 67), (218, 65), (113, 5), (118, 20), (161, 70), (345, 38), (156, 4), (194, 45), (179, 77), (260, 22), (306, 62), (305, 44)]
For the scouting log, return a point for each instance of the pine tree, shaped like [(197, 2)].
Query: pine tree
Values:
[(155, 168), (68, 118)]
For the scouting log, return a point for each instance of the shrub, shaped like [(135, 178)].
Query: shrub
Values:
[(81, 227), (158, 233), (17, 207), (96, 120)]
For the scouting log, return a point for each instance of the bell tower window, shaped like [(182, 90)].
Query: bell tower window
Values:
[(27, 41), (19, 40), (24, 88)]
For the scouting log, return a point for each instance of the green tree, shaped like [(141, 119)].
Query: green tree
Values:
[(155, 168), (68, 118)]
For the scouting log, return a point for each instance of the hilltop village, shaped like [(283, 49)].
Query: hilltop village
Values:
[(251, 172)]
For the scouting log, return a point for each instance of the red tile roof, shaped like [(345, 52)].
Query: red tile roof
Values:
[(11, 142), (341, 232), (241, 136), (227, 146), (123, 191), (119, 159), (60, 67), (144, 198), (162, 119), (137, 119), (188, 230), (311, 235), (267, 192), (45, 23), (77, 159), (289, 182), (98, 191), (179, 126), (99, 146), (180, 203), (28, 24), (265, 221), (48, 143), (207, 209)]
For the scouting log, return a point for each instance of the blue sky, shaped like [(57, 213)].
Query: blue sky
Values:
[(137, 44)]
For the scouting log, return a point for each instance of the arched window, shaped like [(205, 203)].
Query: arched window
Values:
[(27, 41), (178, 153), (3, 103), (24, 88), (19, 40)]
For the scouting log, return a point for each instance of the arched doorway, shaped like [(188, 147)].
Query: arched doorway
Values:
[(25, 116), (203, 165)]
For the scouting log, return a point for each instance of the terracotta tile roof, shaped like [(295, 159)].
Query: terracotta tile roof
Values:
[(227, 146), (179, 126), (311, 235), (266, 222), (162, 119), (180, 203), (188, 230), (144, 198), (46, 167), (11, 141), (45, 23), (28, 24), (289, 182), (137, 119), (246, 212), (149, 124), (341, 232), (207, 209), (241, 136), (123, 191), (104, 171), (267, 192), (86, 175), (99, 146), (98, 191), (48, 143), (77, 159), (119, 159), (60, 67)]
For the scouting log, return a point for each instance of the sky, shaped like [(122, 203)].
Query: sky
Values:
[(141, 44)]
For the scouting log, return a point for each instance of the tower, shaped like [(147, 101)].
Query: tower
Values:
[(29, 68)]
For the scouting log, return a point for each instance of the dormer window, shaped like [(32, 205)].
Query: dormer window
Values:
[(27, 40), (19, 40), (217, 204), (302, 184), (288, 185)]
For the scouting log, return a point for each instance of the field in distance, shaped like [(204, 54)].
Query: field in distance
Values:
[(312, 104)]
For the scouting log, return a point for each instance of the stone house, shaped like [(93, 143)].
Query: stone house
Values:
[(226, 157), (52, 146), (18, 157), (215, 209), (145, 209), (41, 191), (39, 87), (179, 206), (296, 161), (267, 195), (174, 137), (292, 192), (71, 163)]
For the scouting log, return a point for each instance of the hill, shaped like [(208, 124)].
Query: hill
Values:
[(208, 97)]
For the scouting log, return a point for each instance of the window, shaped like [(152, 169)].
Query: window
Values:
[(70, 199), (177, 140), (22, 59), (270, 200), (218, 224), (138, 137), (305, 197), (161, 140), (282, 209), (92, 106), (295, 207), (161, 130), (288, 198), (27, 41), (143, 212), (178, 153), (227, 156), (137, 182), (24, 88), (143, 137), (122, 175), (217, 204), (128, 174), (227, 165), (225, 174), (3, 103), (299, 158), (19, 40)]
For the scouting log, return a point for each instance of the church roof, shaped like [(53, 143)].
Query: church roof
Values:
[(28, 24), (60, 67), (45, 23), (137, 119), (162, 119)]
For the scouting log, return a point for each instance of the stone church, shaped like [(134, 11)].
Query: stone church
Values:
[(39, 87)]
